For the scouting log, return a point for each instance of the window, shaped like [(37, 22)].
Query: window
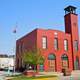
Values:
[(17, 48), (51, 57), (74, 24), (44, 42), (56, 34), (76, 45), (20, 48), (23, 47), (65, 45), (64, 57), (56, 44)]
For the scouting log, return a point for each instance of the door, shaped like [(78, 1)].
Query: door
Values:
[(52, 65), (65, 63), (52, 62), (77, 63), (41, 67)]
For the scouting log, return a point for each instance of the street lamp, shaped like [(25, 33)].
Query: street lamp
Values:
[(14, 31)]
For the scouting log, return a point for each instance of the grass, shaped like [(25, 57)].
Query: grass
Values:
[(22, 77)]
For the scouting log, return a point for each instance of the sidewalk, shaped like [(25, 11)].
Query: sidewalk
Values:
[(75, 75), (50, 73)]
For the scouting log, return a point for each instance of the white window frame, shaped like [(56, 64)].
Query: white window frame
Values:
[(56, 43), (66, 45), (44, 42)]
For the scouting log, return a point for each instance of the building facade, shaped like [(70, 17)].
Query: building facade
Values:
[(60, 49), (7, 62)]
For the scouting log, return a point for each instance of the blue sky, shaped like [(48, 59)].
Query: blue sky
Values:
[(28, 15)]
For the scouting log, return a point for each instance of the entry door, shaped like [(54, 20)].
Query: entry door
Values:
[(52, 65), (65, 64), (65, 61), (41, 67), (77, 64)]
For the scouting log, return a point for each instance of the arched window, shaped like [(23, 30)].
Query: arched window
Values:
[(65, 63), (64, 57), (51, 57)]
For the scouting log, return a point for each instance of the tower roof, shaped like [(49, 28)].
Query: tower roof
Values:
[(70, 9)]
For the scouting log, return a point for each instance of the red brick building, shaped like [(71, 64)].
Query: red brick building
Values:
[(60, 49)]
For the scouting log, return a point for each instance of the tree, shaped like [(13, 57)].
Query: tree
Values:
[(33, 57)]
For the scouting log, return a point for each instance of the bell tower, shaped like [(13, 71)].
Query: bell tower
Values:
[(71, 22), (71, 27)]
